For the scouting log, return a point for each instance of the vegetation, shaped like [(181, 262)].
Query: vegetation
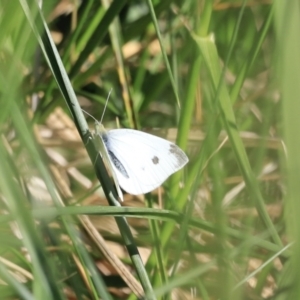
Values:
[(219, 78)]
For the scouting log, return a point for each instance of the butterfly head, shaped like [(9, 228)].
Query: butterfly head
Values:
[(99, 128)]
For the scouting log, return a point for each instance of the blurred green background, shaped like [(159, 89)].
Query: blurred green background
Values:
[(219, 78)]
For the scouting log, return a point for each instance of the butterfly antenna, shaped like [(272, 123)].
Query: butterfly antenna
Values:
[(103, 110), (105, 105), (90, 115)]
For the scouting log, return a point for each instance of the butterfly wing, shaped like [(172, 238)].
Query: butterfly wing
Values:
[(141, 161)]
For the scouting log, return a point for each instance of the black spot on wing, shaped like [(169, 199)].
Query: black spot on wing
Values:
[(155, 160), (179, 154), (118, 164)]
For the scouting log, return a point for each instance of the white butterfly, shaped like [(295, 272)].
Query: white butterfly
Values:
[(139, 162)]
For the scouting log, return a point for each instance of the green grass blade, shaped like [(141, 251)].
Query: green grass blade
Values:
[(66, 88), (98, 34), (209, 52), (162, 47), (21, 289), (287, 21)]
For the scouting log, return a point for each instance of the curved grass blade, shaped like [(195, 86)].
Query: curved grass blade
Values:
[(209, 52), (59, 72)]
